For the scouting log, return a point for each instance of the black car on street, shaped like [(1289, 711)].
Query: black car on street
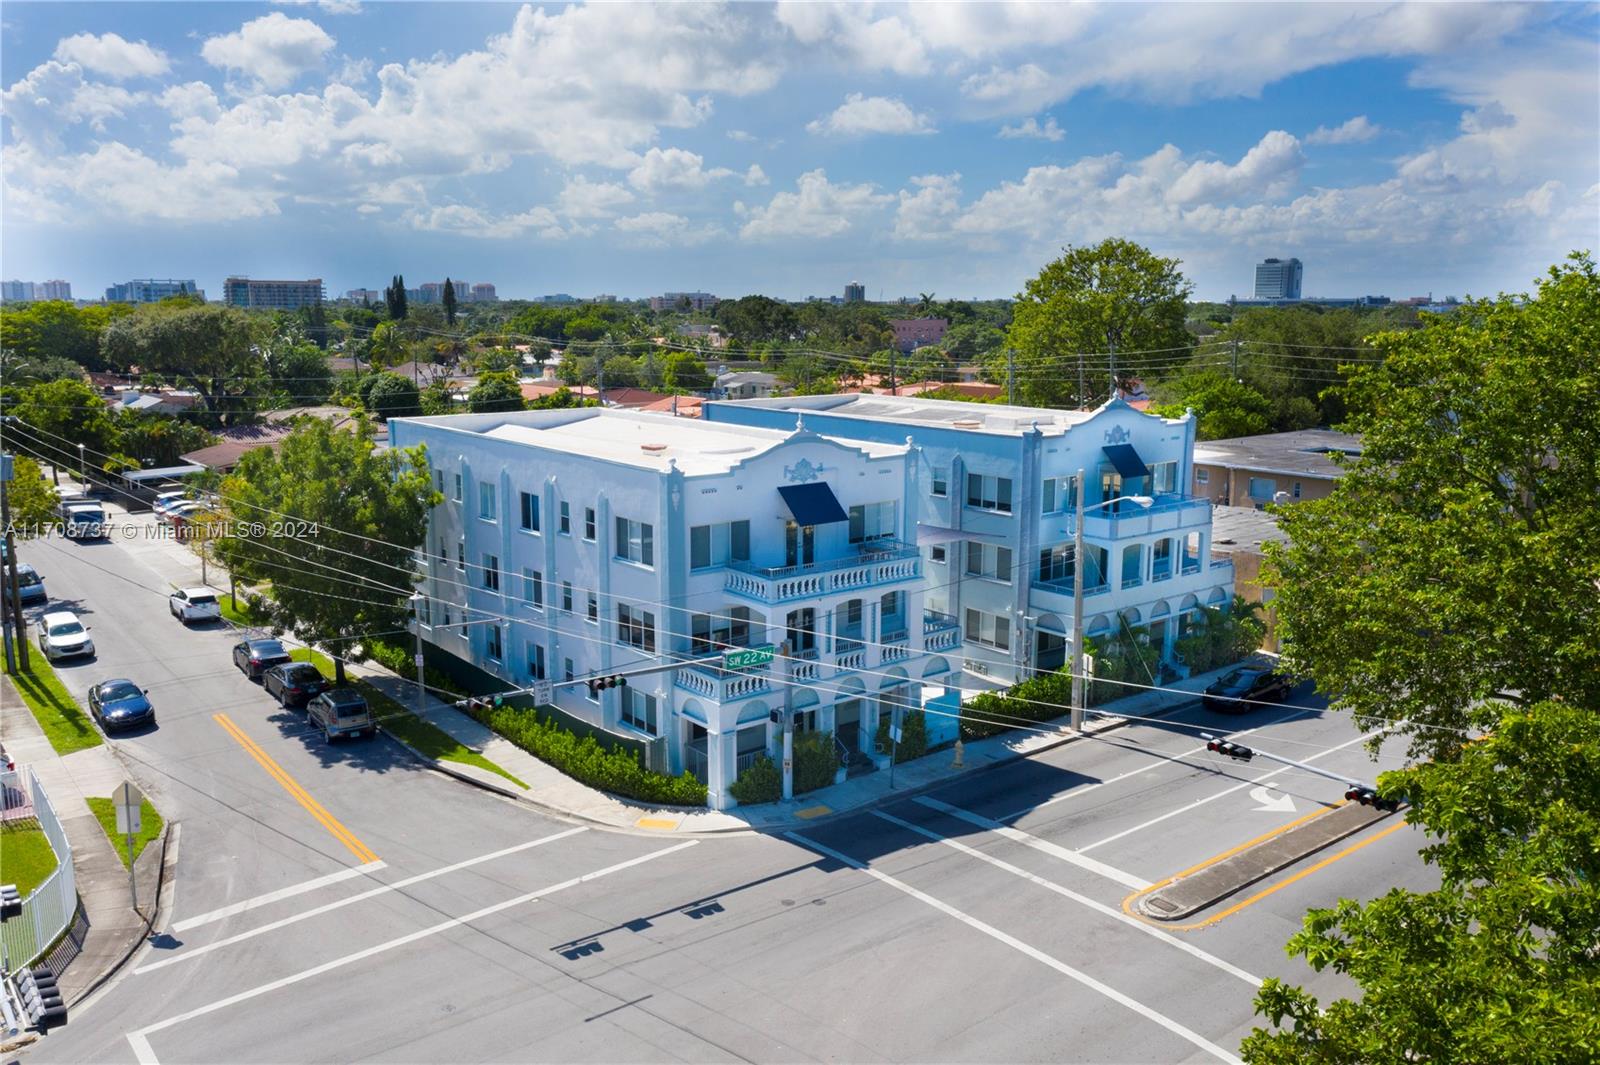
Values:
[(293, 683), (255, 657), (1246, 687)]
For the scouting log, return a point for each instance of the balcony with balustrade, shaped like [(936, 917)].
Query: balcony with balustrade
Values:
[(940, 632), (879, 567), (1169, 513), (709, 681)]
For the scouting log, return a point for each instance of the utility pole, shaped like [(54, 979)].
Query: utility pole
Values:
[(1077, 611), (12, 589), (600, 373), (1234, 344), (894, 386), (1083, 404), (788, 723), (11, 554), (1111, 342), (1011, 376)]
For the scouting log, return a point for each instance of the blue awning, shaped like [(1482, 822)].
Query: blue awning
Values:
[(812, 504), (1126, 460)]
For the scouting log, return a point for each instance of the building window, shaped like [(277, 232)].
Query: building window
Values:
[(485, 500), (717, 545), (566, 596), (936, 554), (493, 647), (635, 541), (491, 573), (892, 614), (993, 630), (872, 521), (594, 608), (536, 670), (1163, 478), (566, 519), (989, 493), (1055, 563), (588, 523), (941, 485), (530, 512), (533, 587), (438, 481), (1297, 489), (461, 557), (802, 630), (639, 710), (1060, 494), (1201, 475), (712, 631), (1161, 560), (636, 628), (456, 493), (566, 669), (990, 561), (1262, 488)]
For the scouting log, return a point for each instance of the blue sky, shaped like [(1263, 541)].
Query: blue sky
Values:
[(1396, 149)]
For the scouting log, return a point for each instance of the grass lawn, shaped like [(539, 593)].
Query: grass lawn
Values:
[(65, 724), (239, 615), (149, 826), (25, 855)]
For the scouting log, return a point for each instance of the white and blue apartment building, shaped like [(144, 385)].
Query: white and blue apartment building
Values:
[(993, 491), (586, 543)]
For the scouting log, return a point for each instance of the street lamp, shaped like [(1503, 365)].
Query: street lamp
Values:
[(82, 475), (1077, 595)]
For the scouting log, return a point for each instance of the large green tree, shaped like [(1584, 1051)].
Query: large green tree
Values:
[(344, 568), (756, 319), (32, 498), (495, 392), (1225, 407), (56, 329), (1115, 294), (56, 416), (1454, 565), (1502, 962), (393, 396), (449, 301), (212, 349)]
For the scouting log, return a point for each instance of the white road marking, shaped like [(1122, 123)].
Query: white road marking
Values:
[(277, 896), (1055, 850), (141, 1036), (318, 911), (1073, 793), (1099, 907), (1225, 792), (1278, 804), (1033, 952)]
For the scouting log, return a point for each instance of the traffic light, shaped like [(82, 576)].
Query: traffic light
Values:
[(600, 684), (1231, 749), (1367, 797), (41, 998), (10, 902), (499, 701)]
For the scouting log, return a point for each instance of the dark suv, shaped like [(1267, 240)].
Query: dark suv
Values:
[(255, 657), (1246, 686), (293, 683)]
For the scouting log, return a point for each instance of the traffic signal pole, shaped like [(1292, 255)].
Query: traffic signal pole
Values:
[(1342, 778)]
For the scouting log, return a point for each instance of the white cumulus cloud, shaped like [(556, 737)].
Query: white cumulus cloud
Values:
[(1354, 131), (860, 115), (673, 168), (273, 50), (817, 208), (583, 198), (112, 56), (1031, 129), (1275, 158)]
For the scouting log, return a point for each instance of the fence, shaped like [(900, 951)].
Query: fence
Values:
[(49, 908)]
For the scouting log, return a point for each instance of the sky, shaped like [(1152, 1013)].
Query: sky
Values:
[(1396, 149)]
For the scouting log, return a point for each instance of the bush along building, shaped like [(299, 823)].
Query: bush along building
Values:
[(994, 493), (730, 573)]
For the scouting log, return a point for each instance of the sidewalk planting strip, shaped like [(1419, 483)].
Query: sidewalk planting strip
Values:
[(105, 812), (65, 724)]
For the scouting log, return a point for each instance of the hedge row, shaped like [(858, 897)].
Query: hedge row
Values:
[(913, 736), (618, 772), (398, 660), (1039, 698)]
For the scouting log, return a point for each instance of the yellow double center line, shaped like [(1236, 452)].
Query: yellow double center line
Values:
[(299, 794)]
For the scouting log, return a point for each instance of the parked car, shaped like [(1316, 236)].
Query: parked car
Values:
[(120, 703), (254, 657), (62, 635), (166, 500), (30, 585), (189, 605), (180, 511), (1239, 690), (341, 712), (83, 520), (294, 683)]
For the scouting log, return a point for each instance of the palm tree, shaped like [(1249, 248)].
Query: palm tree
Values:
[(925, 301)]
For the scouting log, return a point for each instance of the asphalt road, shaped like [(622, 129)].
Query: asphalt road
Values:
[(980, 922)]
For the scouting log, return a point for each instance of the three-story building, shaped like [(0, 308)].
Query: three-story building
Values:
[(587, 543)]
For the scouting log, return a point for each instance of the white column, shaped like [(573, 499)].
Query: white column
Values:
[(717, 771)]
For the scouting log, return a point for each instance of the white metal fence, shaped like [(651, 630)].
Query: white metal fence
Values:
[(48, 909)]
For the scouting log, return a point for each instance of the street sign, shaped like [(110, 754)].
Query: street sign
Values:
[(128, 801), (895, 733), (543, 693), (747, 656)]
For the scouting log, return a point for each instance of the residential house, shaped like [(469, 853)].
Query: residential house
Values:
[(1252, 471)]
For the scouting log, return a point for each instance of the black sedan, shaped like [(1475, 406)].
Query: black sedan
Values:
[(255, 657), (120, 704), (1245, 687), (294, 683)]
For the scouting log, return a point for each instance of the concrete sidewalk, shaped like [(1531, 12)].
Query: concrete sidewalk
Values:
[(115, 928)]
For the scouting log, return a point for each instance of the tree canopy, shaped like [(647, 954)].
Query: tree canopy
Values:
[(211, 349), (55, 329), (31, 497), (495, 392), (1455, 561)]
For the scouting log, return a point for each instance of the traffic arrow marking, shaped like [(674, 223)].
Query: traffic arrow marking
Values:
[(1281, 804)]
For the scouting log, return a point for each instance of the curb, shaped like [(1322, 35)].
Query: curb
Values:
[(163, 878)]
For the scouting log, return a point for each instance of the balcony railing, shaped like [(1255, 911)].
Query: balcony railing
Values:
[(895, 646), (1161, 572), (860, 570), (725, 685), (852, 659), (940, 632), (1167, 513)]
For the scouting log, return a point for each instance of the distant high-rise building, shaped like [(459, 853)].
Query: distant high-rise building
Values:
[(26, 291), (151, 290), (16, 291), (364, 295), (680, 301), (855, 292), (53, 290), (1278, 279), (273, 295), (483, 292)]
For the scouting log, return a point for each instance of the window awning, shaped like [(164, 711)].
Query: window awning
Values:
[(1126, 460), (812, 504)]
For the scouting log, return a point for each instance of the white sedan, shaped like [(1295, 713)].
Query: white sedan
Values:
[(62, 635), (194, 604)]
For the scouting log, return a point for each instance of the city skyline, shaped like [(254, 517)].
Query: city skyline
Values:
[(791, 150)]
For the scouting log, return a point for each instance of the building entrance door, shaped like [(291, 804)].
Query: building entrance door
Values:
[(847, 723), (800, 544)]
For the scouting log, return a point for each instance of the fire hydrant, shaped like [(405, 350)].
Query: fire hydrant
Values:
[(959, 763)]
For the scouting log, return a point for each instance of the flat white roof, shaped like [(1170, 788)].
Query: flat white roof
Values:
[(947, 413), (646, 440)]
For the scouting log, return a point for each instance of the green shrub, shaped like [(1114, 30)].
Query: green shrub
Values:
[(913, 736), (1043, 697), (761, 782), (1221, 637), (816, 761), (618, 771), (398, 660)]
